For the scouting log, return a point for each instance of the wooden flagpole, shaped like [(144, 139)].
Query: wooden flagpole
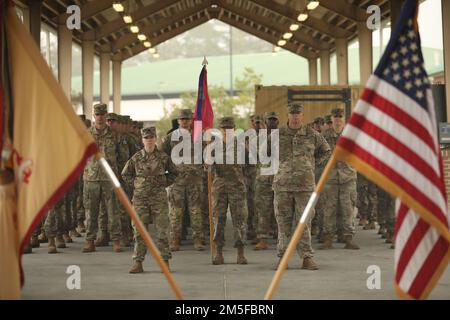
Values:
[(300, 228), (121, 195)]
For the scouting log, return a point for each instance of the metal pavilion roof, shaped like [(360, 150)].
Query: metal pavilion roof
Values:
[(161, 20)]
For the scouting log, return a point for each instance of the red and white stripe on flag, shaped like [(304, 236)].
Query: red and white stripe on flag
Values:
[(391, 138)]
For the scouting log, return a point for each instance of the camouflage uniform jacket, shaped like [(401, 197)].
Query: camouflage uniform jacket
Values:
[(342, 172), (229, 177), (126, 152), (108, 143), (300, 149), (188, 174), (147, 171)]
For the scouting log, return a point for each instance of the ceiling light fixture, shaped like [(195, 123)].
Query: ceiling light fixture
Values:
[(281, 43), (276, 49), (147, 44), (118, 7), (287, 35), (152, 50), (134, 29), (127, 18), (156, 55), (294, 27), (312, 5), (302, 16), (142, 37)]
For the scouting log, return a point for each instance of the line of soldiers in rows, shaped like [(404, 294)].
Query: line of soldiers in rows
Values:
[(254, 200)]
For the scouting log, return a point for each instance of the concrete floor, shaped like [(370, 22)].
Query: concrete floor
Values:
[(104, 274)]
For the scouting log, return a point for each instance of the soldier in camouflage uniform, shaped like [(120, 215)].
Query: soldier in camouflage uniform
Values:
[(386, 215), (317, 221), (187, 190), (54, 226), (149, 172), (228, 191), (340, 191), (367, 202), (97, 185), (264, 196), (300, 148), (250, 172)]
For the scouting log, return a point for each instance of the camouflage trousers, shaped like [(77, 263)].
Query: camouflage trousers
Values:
[(54, 223), (125, 220), (152, 206), (95, 193), (339, 205), (386, 210), (252, 221), (289, 207), (189, 197), (367, 198), (237, 203), (265, 211)]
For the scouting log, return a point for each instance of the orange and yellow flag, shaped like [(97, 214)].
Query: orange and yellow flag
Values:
[(50, 149)]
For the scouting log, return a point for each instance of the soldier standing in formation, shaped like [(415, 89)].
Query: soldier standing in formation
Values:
[(264, 196), (148, 173), (228, 191), (340, 191), (186, 192), (300, 148), (98, 188)]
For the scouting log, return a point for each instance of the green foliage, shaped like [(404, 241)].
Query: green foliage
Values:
[(240, 106)]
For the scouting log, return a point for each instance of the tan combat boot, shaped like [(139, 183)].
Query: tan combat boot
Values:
[(89, 246), (67, 238), (137, 267), (60, 243), (175, 245), (35, 242), (369, 226), (42, 237), (103, 240), (240, 256), (309, 264), (74, 233), (349, 244), (81, 228), (262, 245), (52, 246), (363, 222), (116, 246), (198, 245), (327, 243), (218, 259)]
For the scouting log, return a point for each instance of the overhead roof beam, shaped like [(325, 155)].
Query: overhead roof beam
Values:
[(298, 35), (163, 37), (345, 9), (129, 39), (267, 37), (139, 14), (311, 22)]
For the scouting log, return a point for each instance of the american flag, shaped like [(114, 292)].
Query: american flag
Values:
[(391, 138)]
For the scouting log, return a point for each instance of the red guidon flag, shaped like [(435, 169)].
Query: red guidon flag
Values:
[(203, 115), (50, 147), (391, 138)]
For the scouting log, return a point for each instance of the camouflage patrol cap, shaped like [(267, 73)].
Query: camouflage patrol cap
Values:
[(100, 108), (226, 122), (112, 117), (257, 119), (328, 118), (337, 112), (135, 124), (148, 132), (271, 114), (126, 119), (140, 124), (319, 120), (295, 107), (185, 114)]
